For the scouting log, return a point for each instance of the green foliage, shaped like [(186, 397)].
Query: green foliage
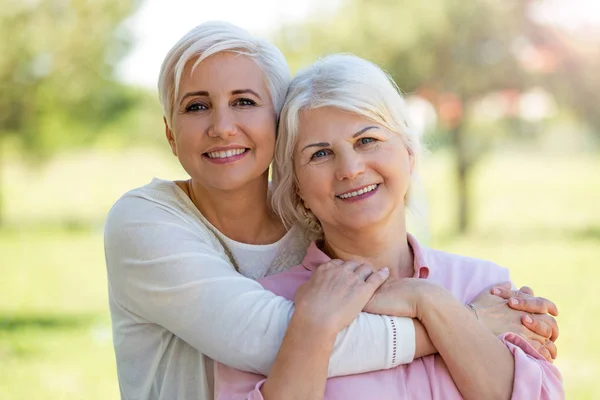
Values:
[(57, 57), (454, 54)]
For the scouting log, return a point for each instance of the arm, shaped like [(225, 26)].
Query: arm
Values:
[(326, 304), (480, 365), (162, 271)]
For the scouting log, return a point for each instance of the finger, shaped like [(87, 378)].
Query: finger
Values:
[(500, 288), (546, 354), (543, 319), (537, 325), (527, 290), (534, 305), (531, 335), (507, 293), (332, 263), (551, 346), (352, 265), (377, 278), (364, 271)]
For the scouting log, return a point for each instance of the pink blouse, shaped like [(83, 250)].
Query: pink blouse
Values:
[(426, 377)]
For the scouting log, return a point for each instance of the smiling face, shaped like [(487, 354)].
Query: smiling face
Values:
[(352, 173), (223, 125)]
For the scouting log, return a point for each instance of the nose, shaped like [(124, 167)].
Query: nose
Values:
[(349, 166), (223, 123)]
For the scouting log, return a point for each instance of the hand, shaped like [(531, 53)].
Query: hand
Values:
[(336, 293), (494, 313), (400, 297), (524, 300)]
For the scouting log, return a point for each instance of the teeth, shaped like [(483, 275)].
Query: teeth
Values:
[(358, 192), (225, 154)]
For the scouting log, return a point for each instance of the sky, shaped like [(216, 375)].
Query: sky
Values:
[(159, 24)]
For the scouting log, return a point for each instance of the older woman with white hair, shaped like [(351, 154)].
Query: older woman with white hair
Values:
[(346, 158), (180, 255)]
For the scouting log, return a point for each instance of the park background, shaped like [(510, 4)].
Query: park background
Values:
[(505, 92)]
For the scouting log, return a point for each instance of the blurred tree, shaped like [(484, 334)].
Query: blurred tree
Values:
[(449, 51), (567, 62), (57, 57)]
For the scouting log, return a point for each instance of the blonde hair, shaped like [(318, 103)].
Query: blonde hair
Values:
[(349, 83), (211, 38)]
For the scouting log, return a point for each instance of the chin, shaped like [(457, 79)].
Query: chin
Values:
[(230, 182)]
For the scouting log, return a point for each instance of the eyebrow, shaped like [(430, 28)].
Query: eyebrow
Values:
[(363, 130), (325, 144), (205, 93)]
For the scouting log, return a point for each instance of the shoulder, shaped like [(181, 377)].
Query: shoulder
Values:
[(155, 214), (158, 202), (156, 196), (465, 276)]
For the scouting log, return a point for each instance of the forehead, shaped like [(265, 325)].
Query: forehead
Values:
[(329, 122), (223, 71)]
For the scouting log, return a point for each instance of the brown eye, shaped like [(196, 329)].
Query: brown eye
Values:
[(244, 102), (196, 107)]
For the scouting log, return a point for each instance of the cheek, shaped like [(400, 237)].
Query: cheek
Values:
[(312, 186), (265, 134)]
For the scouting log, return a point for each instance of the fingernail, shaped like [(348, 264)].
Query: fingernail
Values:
[(385, 271), (514, 301), (528, 319), (496, 291)]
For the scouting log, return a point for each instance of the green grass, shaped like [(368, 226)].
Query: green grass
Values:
[(536, 214)]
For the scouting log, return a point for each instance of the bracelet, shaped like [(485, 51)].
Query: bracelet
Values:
[(472, 307)]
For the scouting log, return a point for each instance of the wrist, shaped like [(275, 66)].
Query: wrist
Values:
[(472, 310), (430, 299), (312, 328)]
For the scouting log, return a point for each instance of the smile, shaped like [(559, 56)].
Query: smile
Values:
[(225, 154), (359, 192)]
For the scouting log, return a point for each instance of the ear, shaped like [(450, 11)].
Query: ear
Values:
[(170, 137)]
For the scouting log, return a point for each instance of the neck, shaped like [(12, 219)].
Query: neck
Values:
[(383, 245), (243, 214)]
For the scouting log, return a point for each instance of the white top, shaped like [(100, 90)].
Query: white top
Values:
[(176, 300)]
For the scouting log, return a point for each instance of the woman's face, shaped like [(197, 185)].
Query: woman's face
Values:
[(223, 123), (352, 173)]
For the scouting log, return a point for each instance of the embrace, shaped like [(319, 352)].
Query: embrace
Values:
[(228, 286)]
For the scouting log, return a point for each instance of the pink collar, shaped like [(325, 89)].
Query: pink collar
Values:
[(315, 257)]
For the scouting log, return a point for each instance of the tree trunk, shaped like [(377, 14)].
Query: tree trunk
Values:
[(463, 167)]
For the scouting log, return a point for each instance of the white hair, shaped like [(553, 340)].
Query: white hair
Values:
[(215, 37), (349, 83)]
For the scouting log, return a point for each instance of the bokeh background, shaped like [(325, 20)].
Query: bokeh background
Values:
[(505, 93)]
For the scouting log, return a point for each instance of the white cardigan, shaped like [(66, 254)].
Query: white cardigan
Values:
[(176, 300)]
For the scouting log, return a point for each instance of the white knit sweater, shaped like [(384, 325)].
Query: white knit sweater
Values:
[(176, 300)]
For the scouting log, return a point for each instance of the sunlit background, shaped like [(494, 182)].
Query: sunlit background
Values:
[(505, 93)]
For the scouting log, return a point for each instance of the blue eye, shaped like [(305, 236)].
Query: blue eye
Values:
[(366, 140), (320, 154)]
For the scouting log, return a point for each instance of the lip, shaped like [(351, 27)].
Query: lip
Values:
[(226, 160), (357, 189), (360, 196), (225, 148)]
